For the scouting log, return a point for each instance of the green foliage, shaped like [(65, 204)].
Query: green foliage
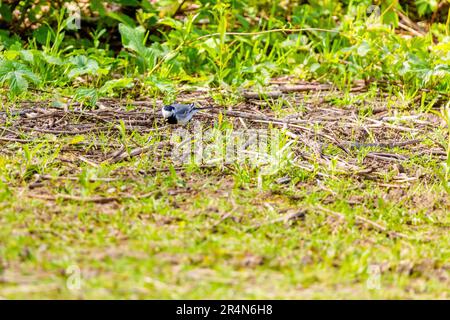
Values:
[(88, 95), (17, 76), (134, 39), (82, 65), (111, 85), (220, 231), (226, 44), (426, 6), (444, 171)]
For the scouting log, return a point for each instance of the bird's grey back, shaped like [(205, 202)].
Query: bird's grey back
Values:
[(183, 109), (184, 112)]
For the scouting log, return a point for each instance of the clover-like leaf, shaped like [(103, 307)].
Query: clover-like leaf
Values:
[(17, 76), (82, 65)]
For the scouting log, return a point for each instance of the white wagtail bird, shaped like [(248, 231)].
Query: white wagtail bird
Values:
[(178, 113)]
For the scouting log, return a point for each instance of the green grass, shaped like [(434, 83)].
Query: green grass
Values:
[(325, 220), (149, 249), (217, 232)]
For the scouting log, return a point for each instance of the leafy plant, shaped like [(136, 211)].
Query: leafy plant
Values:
[(134, 39), (82, 65), (88, 95), (17, 76), (111, 85), (426, 6)]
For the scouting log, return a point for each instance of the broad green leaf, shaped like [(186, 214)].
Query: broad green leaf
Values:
[(363, 49), (98, 6), (391, 18), (89, 95), (16, 75), (42, 33), (7, 40), (27, 55), (10, 54), (314, 67), (133, 39), (175, 24), (123, 18), (51, 59), (82, 65), (5, 12), (17, 83), (426, 6), (110, 85)]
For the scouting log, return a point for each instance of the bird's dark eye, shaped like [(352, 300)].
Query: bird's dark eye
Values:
[(169, 108)]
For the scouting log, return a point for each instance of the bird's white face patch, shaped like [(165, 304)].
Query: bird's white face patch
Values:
[(166, 114)]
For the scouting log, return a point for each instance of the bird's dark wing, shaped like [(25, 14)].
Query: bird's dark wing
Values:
[(183, 109)]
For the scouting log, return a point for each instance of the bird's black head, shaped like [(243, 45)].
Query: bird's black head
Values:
[(169, 108), (168, 113)]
